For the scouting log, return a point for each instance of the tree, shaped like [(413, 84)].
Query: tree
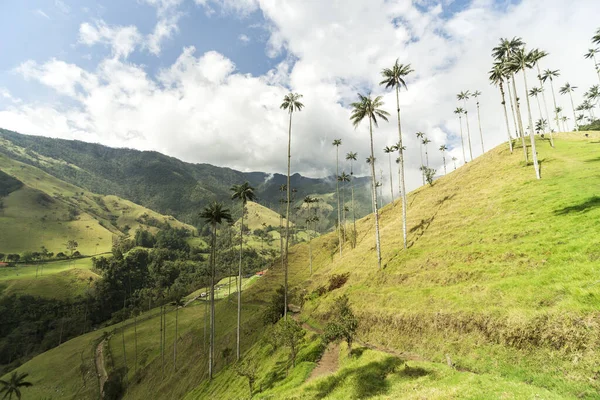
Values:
[(247, 369), (244, 193), (476, 94), (464, 96), (540, 125), (596, 37), (550, 74), (352, 157), (535, 92), (394, 78), (370, 108), (591, 54), (72, 246), (290, 334), (291, 103), (420, 136), (522, 60), (425, 143), (14, 385), (567, 88), (177, 303), (537, 55), (443, 149), (343, 178), (564, 121), (429, 174), (502, 53), (496, 77), (459, 111), (344, 324), (337, 143), (389, 150), (214, 214), (308, 201), (454, 160)]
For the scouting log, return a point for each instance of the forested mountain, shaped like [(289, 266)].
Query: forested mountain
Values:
[(162, 183)]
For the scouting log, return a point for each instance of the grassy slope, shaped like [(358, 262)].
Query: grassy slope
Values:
[(499, 276)]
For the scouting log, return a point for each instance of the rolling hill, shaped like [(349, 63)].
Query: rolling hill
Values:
[(496, 297)]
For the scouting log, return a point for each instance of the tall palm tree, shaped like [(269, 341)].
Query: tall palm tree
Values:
[(535, 92), (337, 143), (454, 160), (308, 201), (389, 150), (214, 214), (502, 53), (564, 121), (522, 60), (14, 385), (420, 136), (443, 149), (476, 94), (567, 88), (537, 55), (352, 157), (343, 178), (591, 54), (425, 143), (244, 193), (464, 96), (394, 78), (177, 302), (596, 37), (496, 77), (550, 75), (370, 108), (291, 103), (460, 111)]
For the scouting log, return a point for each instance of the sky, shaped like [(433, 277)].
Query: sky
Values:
[(202, 80)]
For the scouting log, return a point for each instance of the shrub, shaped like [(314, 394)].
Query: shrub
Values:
[(344, 323), (336, 281), (276, 307)]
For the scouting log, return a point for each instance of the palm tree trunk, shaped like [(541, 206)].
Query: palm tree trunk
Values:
[(545, 103), (135, 340), (164, 338), (123, 339), (353, 210), (374, 196), (426, 157), (519, 119), (468, 130), (506, 117), (444, 159), (337, 189), (391, 177), (401, 170), (540, 109), (512, 108), (421, 154), (462, 140), (573, 107), (480, 132), (596, 67), (211, 346), (554, 102), (287, 219), (175, 341), (206, 302), (531, 135), (239, 289)]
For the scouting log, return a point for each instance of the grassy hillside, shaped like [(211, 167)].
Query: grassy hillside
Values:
[(45, 211), (499, 281)]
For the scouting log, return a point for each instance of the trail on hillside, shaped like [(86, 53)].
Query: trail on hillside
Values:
[(102, 375), (328, 363)]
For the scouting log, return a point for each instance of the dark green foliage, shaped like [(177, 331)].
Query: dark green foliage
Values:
[(594, 126), (13, 385), (143, 238), (343, 324), (290, 334), (336, 281), (114, 387), (247, 369), (274, 311), (429, 174), (8, 184)]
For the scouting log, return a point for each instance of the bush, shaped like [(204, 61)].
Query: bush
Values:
[(276, 307), (114, 387), (344, 323), (318, 292), (336, 281)]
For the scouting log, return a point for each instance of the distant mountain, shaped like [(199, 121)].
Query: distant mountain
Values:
[(162, 183)]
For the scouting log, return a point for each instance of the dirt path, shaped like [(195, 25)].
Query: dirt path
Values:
[(102, 375), (328, 363)]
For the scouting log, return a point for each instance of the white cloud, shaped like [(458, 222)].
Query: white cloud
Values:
[(166, 25), (201, 109), (41, 13), (244, 38), (122, 39)]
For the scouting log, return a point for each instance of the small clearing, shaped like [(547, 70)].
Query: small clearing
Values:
[(328, 363)]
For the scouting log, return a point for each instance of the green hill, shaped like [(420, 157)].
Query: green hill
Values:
[(161, 183), (496, 297)]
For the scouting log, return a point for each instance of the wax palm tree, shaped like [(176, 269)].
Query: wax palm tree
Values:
[(337, 143), (352, 157), (476, 95), (567, 88), (540, 125), (420, 136), (502, 53), (370, 108), (214, 214), (389, 150), (454, 160), (177, 302), (460, 111), (14, 385), (464, 96), (308, 201), (394, 78), (244, 193), (564, 121), (343, 178), (535, 92), (591, 54), (537, 55), (550, 75), (521, 61), (425, 143), (596, 37), (443, 149), (496, 77), (291, 103)]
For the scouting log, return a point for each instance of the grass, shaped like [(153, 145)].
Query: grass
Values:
[(225, 287), (500, 276)]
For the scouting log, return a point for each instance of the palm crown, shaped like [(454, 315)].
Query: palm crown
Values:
[(507, 48), (463, 95), (244, 192), (14, 385), (388, 149), (549, 74), (534, 91), (459, 111), (337, 142), (394, 77), (291, 102), (443, 148), (567, 88), (591, 53), (596, 37), (351, 156), (215, 214), (368, 108)]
